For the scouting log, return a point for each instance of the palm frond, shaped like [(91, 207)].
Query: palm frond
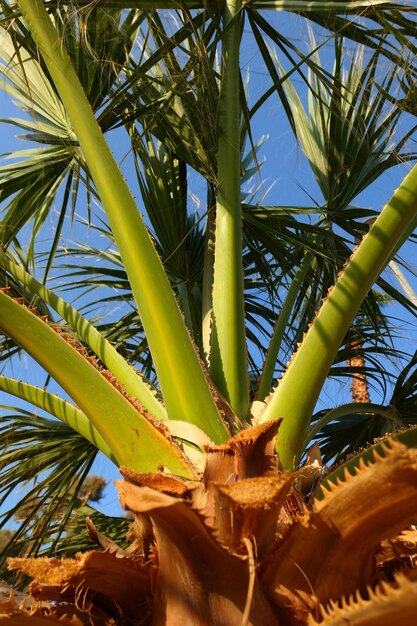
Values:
[(99, 43), (48, 461)]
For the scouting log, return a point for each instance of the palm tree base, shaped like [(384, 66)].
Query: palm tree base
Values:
[(243, 546)]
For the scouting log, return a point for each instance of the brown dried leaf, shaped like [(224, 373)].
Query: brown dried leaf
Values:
[(352, 519), (141, 538), (308, 475), (193, 569), (8, 596), (251, 453), (102, 540), (92, 580), (397, 552), (174, 486), (250, 508), (389, 605), (61, 614), (248, 454)]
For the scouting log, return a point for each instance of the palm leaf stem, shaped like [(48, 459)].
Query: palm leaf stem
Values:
[(133, 439), (297, 392), (403, 282), (208, 267), (228, 358), (107, 354), (353, 408), (59, 408), (174, 357), (265, 382)]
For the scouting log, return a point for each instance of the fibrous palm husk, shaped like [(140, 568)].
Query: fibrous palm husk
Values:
[(241, 547)]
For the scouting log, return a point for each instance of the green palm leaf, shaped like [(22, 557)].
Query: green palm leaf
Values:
[(52, 460)]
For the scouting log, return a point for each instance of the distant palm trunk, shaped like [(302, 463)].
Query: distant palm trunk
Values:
[(359, 387)]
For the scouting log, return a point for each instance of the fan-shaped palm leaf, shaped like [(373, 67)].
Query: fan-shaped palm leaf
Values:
[(52, 460)]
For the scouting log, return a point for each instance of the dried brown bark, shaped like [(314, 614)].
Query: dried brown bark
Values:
[(240, 547)]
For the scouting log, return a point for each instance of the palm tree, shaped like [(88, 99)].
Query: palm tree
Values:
[(224, 528)]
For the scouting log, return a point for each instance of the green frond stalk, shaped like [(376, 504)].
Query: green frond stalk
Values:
[(353, 408), (228, 358), (296, 395), (59, 408), (403, 282), (175, 360), (133, 440), (112, 360), (207, 288), (265, 383)]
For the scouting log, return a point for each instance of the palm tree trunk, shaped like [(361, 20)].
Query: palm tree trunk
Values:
[(359, 387)]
